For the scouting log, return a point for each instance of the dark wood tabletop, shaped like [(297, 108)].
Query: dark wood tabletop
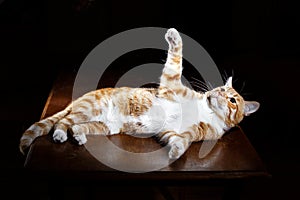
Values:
[(232, 157)]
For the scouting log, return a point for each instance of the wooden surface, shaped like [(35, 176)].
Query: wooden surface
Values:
[(232, 157)]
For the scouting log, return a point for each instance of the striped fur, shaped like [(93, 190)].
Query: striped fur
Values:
[(176, 114)]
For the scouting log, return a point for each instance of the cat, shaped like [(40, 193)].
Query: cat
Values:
[(176, 114)]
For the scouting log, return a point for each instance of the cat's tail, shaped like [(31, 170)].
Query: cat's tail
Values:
[(41, 127)]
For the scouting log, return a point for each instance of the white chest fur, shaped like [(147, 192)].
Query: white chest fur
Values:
[(163, 115), (179, 116)]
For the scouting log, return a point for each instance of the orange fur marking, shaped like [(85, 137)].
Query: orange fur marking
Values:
[(170, 77), (176, 60)]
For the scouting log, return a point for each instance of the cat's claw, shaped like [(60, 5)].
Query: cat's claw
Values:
[(60, 136), (176, 151), (173, 38)]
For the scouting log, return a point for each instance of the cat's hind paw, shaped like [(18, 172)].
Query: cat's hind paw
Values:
[(173, 38), (60, 136)]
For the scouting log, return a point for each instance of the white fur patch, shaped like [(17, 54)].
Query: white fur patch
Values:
[(60, 136), (173, 38), (163, 115), (81, 139), (177, 149), (79, 136), (112, 118)]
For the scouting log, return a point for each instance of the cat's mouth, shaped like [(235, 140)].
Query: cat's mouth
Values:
[(208, 98)]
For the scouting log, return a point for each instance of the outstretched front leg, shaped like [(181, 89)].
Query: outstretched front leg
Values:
[(171, 76), (180, 142), (79, 131)]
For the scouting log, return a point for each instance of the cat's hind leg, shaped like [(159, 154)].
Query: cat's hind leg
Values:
[(79, 131), (60, 129)]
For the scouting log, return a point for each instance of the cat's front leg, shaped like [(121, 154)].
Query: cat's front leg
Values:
[(177, 147), (174, 40), (79, 131), (61, 127), (178, 143), (171, 76)]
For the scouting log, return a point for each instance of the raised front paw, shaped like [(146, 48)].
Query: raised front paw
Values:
[(173, 38), (60, 136), (177, 149)]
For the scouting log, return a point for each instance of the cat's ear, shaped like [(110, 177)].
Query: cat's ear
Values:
[(250, 107), (229, 82)]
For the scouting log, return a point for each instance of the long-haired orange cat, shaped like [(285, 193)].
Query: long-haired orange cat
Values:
[(176, 114)]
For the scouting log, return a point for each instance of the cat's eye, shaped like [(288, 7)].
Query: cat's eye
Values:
[(222, 90), (232, 100)]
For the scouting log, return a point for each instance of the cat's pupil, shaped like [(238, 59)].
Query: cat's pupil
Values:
[(232, 100)]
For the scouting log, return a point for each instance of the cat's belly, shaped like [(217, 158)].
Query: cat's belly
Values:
[(165, 115), (162, 115)]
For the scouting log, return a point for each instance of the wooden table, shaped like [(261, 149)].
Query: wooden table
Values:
[(232, 158)]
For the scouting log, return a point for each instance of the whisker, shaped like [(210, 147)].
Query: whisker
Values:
[(235, 80), (225, 76), (199, 86), (243, 86), (202, 85), (210, 85), (195, 79), (233, 77), (200, 82), (247, 94)]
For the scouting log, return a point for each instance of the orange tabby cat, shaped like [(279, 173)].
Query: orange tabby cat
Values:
[(177, 114)]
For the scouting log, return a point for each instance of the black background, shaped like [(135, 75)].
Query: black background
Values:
[(257, 40)]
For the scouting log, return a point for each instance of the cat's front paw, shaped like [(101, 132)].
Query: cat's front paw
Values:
[(78, 134), (81, 139), (60, 136), (173, 38), (177, 149)]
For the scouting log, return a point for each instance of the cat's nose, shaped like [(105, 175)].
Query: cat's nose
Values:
[(216, 93), (220, 93)]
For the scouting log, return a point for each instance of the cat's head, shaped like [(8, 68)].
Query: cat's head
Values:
[(226, 102)]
